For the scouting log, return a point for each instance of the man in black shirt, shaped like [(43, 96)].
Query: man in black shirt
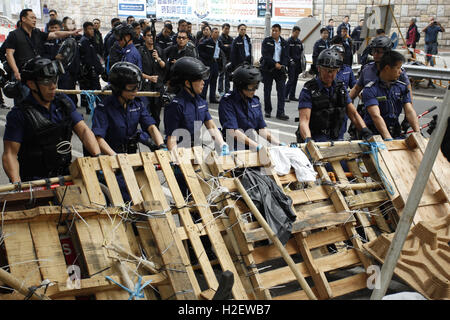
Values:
[(163, 39), (176, 51), (98, 37), (26, 42), (295, 54), (153, 68), (225, 44)]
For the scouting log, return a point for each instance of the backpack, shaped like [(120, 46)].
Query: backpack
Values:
[(417, 35)]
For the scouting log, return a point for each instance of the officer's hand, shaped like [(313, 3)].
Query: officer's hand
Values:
[(154, 79), (308, 139), (225, 150), (17, 75), (366, 133), (277, 66), (76, 32), (173, 61)]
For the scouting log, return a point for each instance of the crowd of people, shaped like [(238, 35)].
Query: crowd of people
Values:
[(181, 67)]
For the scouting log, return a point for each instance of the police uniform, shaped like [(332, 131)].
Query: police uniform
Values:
[(348, 55), (270, 56), (132, 55), (207, 51), (241, 51), (162, 41), (51, 48), (182, 112), (295, 67), (319, 46), (91, 68), (236, 113), (328, 108), (390, 100), (225, 44), (39, 130), (118, 126)]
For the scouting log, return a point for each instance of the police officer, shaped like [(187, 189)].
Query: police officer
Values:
[(125, 35), (115, 122), (241, 48), (274, 61), (225, 41), (240, 112), (163, 39), (296, 55), (91, 66), (38, 131), (323, 103), (209, 52), (188, 111), (348, 44), (138, 39), (386, 97), (109, 38), (320, 45), (153, 69), (379, 46), (51, 47)]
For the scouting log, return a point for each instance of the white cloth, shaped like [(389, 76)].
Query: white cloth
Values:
[(404, 296), (284, 157)]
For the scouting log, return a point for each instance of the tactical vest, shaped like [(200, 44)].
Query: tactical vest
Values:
[(327, 114), (38, 155)]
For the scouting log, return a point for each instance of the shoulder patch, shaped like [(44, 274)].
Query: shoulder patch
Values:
[(401, 82), (371, 83)]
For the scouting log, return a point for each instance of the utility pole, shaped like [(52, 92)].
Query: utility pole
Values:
[(323, 13), (268, 18)]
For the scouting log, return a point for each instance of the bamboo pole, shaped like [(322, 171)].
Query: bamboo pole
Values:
[(34, 183), (301, 280), (19, 286), (108, 92)]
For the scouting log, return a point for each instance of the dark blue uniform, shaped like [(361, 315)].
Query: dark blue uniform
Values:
[(188, 113), (108, 42), (51, 48), (237, 113), (68, 80), (390, 100), (295, 56), (225, 44), (163, 42), (91, 68), (369, 73), (270, 73), (330, 32), (319, 46), (206, 48), (348, 54), (132, 55), (241, 50), (117, 125), (338, 31), (305, 101), (346, 76)]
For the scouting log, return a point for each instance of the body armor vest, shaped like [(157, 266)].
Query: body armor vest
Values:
[(41, 153), (327, 114)]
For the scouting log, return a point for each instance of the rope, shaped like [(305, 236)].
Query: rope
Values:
[(374, 147), (138, 287), (91, 98)]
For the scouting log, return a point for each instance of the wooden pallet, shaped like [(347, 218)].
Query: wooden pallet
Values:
[(424, 262)]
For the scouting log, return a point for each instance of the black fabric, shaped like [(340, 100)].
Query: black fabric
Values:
[(327, 113), (271, 201), (38, 156)]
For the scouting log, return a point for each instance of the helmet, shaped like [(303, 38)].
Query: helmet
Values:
[(123, 73), (245, 75), (329, 58), (67, 51), (383, 42), (124, 29), (337, 48), (189, 68), (14, 90), (41, 68)]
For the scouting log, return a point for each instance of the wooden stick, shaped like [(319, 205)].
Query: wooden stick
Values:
[(359, 186), (148, 265), (34, 183), (108, 92), (276, 241), (21, 287)]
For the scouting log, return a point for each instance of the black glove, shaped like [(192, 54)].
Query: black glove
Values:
[(405, 125), (432, 125), (366, 134)]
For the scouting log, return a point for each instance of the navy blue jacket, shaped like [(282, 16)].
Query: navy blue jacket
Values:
[(206, 48), (330, 32), (223, 41), (238, 51), (319, 46), (163, 42), (338, 31), (267, 51), (88, 54), (295, 49), (51, 48)]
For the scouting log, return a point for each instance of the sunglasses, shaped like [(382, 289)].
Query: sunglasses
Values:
[(182, 38)]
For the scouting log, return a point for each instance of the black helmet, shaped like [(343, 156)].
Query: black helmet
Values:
[(123, 29), (123, 73), (66, 52), (338, 48), (383, 42), (329, 58), (41, 68), (245, 75), (189, 68)]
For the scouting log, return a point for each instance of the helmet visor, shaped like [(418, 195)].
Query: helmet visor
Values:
[(330, 63), (52, 70)]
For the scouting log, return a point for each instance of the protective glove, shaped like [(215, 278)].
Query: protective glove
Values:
[(366, 133), (259, 147), (308, 139), (162, 146), (282, 144), (225, 150)]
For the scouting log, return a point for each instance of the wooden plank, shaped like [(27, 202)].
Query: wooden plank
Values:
[(130, 179), (84, 168), (338, 287), (209, 223), (20, 253), (185, 216), (322, 238), (175, 268), (111, 180), (369, 199), (68, 195), (308, 195)]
